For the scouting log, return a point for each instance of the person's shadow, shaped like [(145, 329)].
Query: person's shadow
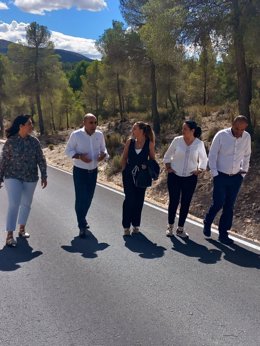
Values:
[(11, 257), (237, 254), (142, 245), (88, 246), (190, 248)]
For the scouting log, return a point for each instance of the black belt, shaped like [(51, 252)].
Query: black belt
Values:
[(90, 170), (86, 170), (229, 175)]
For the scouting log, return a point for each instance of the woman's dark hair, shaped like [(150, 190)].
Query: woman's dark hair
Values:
[(15, 127), (148, 131), (193, 126)]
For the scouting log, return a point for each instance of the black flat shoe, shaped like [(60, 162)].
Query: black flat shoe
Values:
[(226, 240), (82, 232)]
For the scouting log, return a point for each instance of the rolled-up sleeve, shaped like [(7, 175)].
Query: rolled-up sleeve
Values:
[(213, 155), (4, 159), (247, 154), (168, 156), (41, 161), (203, 159), (70, 149)]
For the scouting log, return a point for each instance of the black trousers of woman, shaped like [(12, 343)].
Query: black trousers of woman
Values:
[(133, 203), (181, 190)]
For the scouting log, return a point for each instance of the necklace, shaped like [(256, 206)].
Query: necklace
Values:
[(188, 141), (139, 143)]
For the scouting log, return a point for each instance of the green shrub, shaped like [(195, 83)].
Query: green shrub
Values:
[(256, 137), (212, 133), (114, 166), (114, 144), (163, 149)]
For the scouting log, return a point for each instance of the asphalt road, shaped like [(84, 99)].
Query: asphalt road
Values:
[(147, 289)]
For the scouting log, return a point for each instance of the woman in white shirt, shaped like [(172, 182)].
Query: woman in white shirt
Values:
[(185, 159)]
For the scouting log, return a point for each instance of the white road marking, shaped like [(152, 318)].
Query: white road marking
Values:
[(237, 240)]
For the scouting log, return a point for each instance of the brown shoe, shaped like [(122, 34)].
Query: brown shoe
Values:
[(23, 234), (10, 241)]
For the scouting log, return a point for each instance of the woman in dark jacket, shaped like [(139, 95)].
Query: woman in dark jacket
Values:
[(137, 151), (21, 157)]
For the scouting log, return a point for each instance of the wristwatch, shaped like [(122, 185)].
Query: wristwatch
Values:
[(77, 156)]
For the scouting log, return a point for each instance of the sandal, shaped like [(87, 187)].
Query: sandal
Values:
[(22, 233), (11, 242)]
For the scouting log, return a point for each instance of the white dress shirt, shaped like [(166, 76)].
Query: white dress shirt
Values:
[(80, 142), (185, 159), (229, 154)]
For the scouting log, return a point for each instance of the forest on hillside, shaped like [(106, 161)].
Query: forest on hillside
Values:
[(173, 58)]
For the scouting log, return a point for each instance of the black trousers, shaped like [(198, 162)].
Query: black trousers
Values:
[(181, 190), (133, 203)]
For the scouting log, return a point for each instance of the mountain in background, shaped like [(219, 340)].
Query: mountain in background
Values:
[(66, 55)]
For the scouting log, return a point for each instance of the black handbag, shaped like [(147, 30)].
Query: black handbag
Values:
[(142, 177)]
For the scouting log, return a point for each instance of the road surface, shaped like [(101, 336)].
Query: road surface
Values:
[(59, 290)]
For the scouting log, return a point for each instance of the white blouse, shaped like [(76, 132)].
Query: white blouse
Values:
[(185, 159)]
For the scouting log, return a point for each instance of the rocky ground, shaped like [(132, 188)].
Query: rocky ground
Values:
[(247, 210)]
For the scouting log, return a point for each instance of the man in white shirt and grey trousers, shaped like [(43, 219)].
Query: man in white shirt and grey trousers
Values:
[(86, 146), (228, 159)]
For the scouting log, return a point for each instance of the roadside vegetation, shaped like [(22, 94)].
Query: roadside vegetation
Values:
[(173, 60)]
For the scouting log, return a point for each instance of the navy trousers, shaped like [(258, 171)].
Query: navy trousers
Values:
[(85, 184), (225, 190)]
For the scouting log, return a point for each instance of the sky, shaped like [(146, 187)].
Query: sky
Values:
[(74, 24)]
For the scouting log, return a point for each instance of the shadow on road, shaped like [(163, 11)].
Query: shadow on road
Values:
[(190, 248), (146, 249), (238, 255), (87, 247), (10, 257)]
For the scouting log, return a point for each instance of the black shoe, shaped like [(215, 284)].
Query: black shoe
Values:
[(226, 240), (82, 232), (207, 230)]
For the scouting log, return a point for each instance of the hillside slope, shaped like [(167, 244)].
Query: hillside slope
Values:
[(65, 55)]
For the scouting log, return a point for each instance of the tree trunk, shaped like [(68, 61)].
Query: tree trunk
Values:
[(244, 82), (155, 114), (39, 108), (177, 101), (1, 121), (52, 118), (170, 98), (67, 118), (96, 101), (37, 87), (119, 97), (205, 85)]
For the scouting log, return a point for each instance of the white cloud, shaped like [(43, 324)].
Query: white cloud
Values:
[(3, 6), (42, 6), (75, 44), (16, 32)]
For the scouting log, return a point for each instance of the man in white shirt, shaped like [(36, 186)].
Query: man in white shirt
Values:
[(229, 157), (86, 146)]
